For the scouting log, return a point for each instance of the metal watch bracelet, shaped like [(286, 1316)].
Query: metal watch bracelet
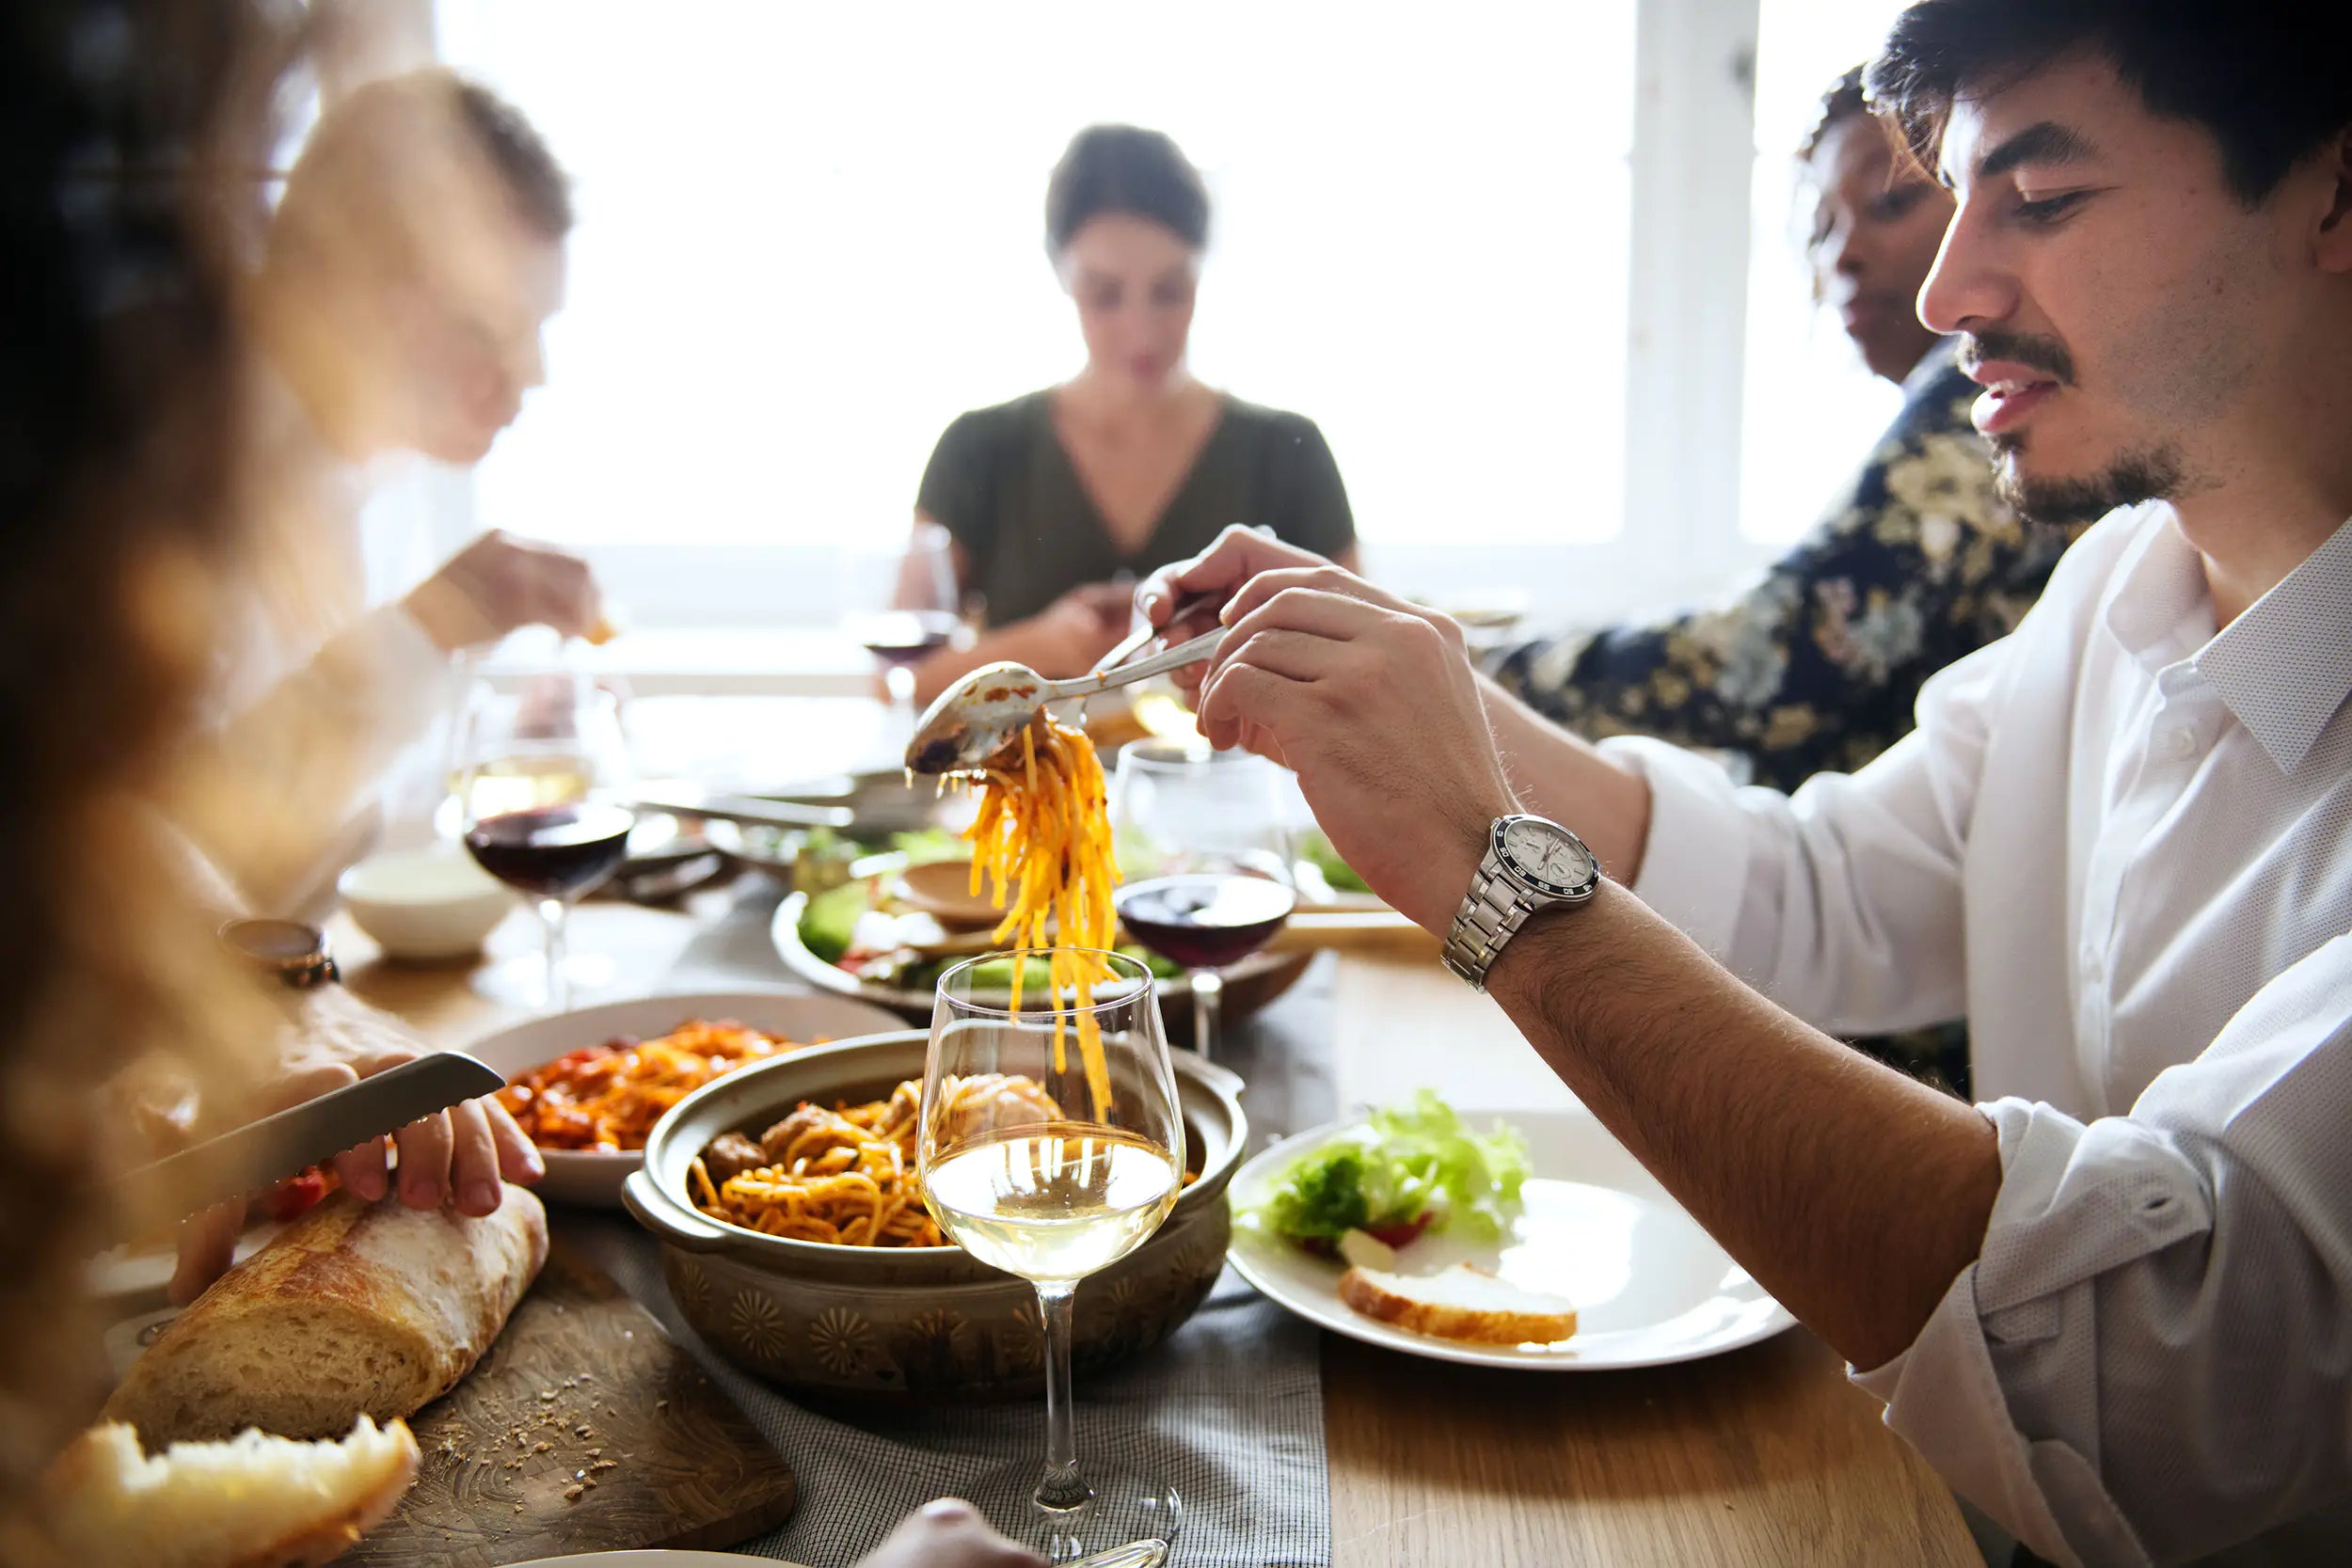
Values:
[(1490, 912)]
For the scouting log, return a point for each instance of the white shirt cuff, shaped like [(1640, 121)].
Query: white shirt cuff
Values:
[(1944, 1394), (1694, 867)]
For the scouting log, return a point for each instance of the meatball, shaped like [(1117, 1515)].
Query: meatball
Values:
[(732, 1154)]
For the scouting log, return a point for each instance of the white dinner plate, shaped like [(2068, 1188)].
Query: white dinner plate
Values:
[(592, 1179), (1649, 1286)]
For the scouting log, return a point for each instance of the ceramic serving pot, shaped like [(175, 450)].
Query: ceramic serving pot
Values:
[(913, 1326)]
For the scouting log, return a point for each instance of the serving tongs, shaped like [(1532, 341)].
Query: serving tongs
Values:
[(986, 712), (745, 810)]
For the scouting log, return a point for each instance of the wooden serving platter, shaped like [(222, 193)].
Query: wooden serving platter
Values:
[(585, 1429)]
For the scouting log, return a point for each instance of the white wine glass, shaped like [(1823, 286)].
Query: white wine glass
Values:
[(1205, 861), (529, 765), (1051, 1147)]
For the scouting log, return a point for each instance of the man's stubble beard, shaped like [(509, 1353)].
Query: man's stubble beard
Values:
[(2151, 474)]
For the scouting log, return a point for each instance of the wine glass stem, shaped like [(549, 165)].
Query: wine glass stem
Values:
[(1061, 1487), (551, 911), (1208, 1005), (898, 680)]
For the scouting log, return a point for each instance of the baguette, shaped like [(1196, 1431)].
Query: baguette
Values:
[(355, 1309), (1460, 1302), (251, 1502)]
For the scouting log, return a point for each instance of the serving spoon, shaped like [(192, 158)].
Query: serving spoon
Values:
[(983, 713)]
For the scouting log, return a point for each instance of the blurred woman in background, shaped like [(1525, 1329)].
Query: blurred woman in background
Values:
[(1055, 499)]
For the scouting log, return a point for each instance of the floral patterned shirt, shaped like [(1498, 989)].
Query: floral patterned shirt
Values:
[(1817, 667)]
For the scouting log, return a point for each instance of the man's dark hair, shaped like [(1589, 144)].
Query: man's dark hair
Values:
[(541, 192), (1124, 169), (2268, 79)]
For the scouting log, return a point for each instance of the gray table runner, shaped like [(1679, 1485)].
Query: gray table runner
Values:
[(1229, 1410)]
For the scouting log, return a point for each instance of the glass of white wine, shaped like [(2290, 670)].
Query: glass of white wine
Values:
[(1051, 1147)]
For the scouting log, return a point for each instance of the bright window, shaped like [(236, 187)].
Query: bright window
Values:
[(1811, 411), (811, 235)]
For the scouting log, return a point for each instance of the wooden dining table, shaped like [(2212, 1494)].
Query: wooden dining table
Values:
[(1762, 1456)]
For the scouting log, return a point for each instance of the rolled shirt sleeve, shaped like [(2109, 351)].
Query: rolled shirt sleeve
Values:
[(2151, 1360), (1843, 902)]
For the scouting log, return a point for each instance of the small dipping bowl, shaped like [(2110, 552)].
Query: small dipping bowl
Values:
[(943, 890), (430, 903)]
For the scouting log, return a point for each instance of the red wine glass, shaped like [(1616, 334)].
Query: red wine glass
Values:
[(530, 765), (1205, 863)]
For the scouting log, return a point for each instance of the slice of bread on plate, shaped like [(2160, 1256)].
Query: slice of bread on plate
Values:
[(253, 1501), (1460, 1302)]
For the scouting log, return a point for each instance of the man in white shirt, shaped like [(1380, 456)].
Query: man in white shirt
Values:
[(2113, 1304), (411, 264)]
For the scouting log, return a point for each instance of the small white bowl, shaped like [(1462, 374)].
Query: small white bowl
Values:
[(432, 903)]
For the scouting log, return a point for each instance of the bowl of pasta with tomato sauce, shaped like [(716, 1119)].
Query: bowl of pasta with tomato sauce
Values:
[(795, 1241), (588, 1086)]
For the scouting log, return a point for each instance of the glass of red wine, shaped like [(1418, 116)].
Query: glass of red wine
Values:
[(1204, 860), (529, 766), (918, 587)]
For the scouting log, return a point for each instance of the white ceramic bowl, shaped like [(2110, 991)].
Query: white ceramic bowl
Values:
[(432, 903), (593, 1178)]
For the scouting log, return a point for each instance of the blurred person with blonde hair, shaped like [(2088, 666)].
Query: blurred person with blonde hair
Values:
[(118, 431)]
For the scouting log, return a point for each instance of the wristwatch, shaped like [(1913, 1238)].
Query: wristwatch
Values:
[(287, 951), (1531, 863)]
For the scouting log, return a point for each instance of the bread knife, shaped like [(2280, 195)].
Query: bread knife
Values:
[(253, 1156)]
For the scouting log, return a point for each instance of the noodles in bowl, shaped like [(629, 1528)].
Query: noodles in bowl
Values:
[(846, 1175)]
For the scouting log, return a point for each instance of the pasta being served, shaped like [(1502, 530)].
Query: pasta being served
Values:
[(1043, 835)]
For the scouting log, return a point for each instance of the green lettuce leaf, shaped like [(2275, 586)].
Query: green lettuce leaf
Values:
[(1405, 1164)]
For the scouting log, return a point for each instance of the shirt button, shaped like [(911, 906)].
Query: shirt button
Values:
[(2181, 743)]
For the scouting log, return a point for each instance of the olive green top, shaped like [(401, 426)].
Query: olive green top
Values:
[(1001, 483)]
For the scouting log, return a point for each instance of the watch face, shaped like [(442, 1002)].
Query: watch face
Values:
[(1549, 856)]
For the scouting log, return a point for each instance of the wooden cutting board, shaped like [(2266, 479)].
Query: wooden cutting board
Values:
[(585, 1429)]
